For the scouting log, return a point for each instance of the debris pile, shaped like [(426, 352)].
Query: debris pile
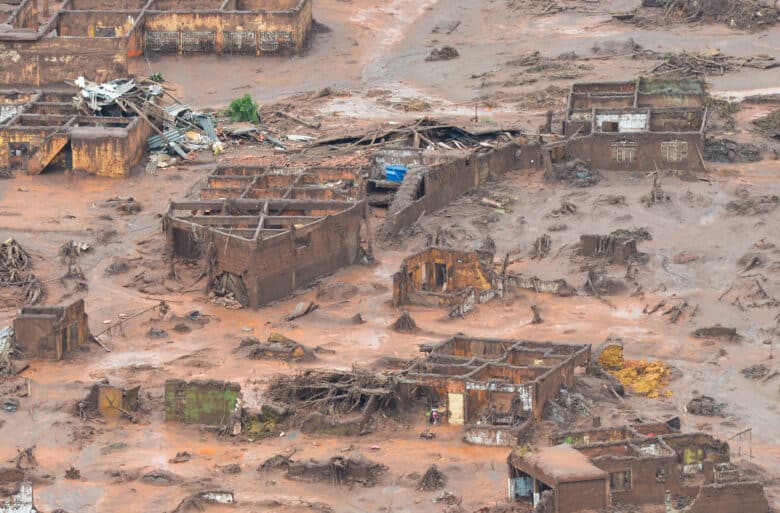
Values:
[(704, 405), (753, 205), (280, 347), (339, 470), (229, 290), (644, 377), (741, 14), (405, 323), (198, 501), (575, 172), (727, 150), (769, 125), (178, 130), (694, 64), (640, 376), (656, 194), (16, 272), (756, 371), (333, 392), (446, 53), (553, 68), (432, 480)]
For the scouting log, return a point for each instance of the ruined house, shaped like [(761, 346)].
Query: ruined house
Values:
[(445, 277), (51, 331), (44, 127), (632, 465), (268, 247), (643, 125), (495, 387), (458, 280), (98, 38), (206, 402)]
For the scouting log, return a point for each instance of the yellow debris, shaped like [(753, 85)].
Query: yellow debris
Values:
[(644, 378), (612, 358)]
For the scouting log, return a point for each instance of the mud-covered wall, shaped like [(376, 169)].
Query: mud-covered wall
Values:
[(651, 477), (201, 402), (51, 60), (95, 23), (50, 332), (581, 495), (442, 183), (549, 384), (599, 150), (109, 152), (273, 267), (228, 32), (743, 497), (418, 273)]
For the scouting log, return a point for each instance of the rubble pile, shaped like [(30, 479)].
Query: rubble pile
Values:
[(333, 392), (433, 479), (727, 150), (183, 131), (575, 172), (696, 64), (769, 125), (648, 378), (339, 470), (640, 376), (16, 272)]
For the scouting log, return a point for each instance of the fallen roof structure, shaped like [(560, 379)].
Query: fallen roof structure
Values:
[(98, 38), (496, 387)]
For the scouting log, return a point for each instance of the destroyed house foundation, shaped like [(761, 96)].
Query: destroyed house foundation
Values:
[(98, 38), (42, 128), (268, 247), (642, 125), (492, 386)]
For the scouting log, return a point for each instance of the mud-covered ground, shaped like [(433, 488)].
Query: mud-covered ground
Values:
[(373, 58)]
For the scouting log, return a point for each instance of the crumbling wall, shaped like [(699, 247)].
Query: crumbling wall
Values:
[(497, 436), (108, 151), (273, 267), (694, 449), (549, 384), (50, 60), (416, 280), (442, 183), (742, 497), (206, 402), (228, 32)]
